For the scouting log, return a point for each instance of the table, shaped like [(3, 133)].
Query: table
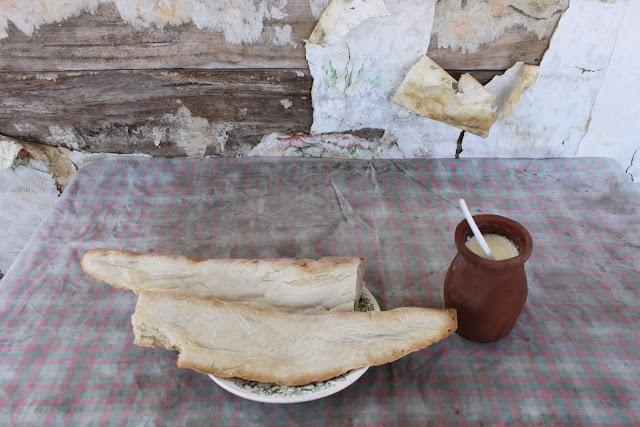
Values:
[(66, 341)]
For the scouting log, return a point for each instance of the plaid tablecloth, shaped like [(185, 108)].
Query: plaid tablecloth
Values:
[(66, 351)]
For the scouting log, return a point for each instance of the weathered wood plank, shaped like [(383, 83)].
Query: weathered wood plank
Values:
[(154, 111), (157, 112), (492, 35), (513, 46), (102, 41)]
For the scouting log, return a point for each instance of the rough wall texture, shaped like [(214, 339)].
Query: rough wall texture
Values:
[(187, 78)]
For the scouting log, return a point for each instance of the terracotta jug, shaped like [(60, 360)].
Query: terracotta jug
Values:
[(488, 295)]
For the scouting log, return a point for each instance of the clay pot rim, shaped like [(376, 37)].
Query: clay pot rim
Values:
[(463, 229)]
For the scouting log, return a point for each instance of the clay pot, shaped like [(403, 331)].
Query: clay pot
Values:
[(488, 295)]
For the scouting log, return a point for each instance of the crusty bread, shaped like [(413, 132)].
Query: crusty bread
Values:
[(236, 340), (295, 285)]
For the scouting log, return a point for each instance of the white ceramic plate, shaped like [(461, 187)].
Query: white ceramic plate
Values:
[(273, 393)]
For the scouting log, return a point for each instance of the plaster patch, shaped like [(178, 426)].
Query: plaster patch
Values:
[(277, 12), (334, 145), (47, 76), (64, 137), (317, 7), (286, 103), (158, 134), (239, 21), (465, 26), (283, 36), (195, 134), (511, 86), (343, 15), (8, 152), (28, 15), (552, 117)]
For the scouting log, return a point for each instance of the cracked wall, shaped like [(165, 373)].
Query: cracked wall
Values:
[(614, 128), (585, 100)]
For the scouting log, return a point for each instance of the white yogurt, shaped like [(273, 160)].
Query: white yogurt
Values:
[(501, 247)]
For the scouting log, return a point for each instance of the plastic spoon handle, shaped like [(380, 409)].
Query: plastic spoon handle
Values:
[(475, 229)]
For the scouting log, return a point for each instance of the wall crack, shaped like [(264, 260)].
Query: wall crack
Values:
[(459, 145), (633, 157)]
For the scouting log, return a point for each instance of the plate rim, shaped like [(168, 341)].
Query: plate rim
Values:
[(354, 375)]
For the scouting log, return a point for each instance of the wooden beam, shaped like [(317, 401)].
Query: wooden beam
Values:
[(102, 41), (146, 111)]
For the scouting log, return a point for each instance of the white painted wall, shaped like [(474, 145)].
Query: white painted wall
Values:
[(614, 130), (553, 118)]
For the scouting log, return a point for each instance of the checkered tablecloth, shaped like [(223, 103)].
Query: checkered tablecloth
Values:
[(66, 342)]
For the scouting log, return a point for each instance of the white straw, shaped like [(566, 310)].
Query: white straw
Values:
[(475, 229)]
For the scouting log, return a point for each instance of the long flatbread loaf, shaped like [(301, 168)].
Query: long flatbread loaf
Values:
[(235, 340), (293, 285)]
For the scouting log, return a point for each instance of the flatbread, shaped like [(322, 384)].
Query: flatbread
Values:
[(300, 285), (236, 340)]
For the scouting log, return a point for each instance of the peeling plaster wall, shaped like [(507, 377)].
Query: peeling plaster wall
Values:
[(574, 109), (240, 21), (193, 134)]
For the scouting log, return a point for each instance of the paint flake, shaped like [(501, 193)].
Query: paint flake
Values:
[(65, 137), (286, 103), (283, 36), (194, 134)]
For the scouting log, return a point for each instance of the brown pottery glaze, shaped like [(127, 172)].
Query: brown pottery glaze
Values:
[(488, 295)]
